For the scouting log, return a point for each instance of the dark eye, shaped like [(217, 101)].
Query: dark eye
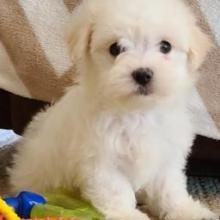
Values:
[(116, 49), (165, 47)]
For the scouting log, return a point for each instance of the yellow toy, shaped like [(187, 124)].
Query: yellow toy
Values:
[(7, 212)]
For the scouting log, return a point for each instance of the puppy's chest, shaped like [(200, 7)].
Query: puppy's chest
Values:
[(138, 147), (140, 156)]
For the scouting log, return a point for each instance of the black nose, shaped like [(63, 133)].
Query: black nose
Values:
[(142, 76)]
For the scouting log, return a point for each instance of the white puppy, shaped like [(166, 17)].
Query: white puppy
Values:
[(125, 127)]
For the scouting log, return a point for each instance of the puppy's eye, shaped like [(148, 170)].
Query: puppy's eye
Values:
[(116, 49), (165, 47)]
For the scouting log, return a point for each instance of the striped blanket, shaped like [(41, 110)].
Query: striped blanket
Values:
[(34, 61)]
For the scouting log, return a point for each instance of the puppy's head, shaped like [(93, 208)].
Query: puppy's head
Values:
[(136, 53)]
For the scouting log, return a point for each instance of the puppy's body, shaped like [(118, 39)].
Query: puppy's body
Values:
[(59, 150), (126, 127), (127, 141)]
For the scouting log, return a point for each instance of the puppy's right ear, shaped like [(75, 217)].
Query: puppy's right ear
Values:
[(79, 32), (200, 46)]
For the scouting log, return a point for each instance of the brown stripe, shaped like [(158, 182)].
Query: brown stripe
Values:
[(209, 83), (199, 15), (27, 55), (71, 4)]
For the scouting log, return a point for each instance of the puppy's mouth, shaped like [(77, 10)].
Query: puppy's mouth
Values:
[(143, 90)]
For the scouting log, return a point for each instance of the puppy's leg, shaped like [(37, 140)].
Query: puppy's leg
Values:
[(111, 193), (168, 193)]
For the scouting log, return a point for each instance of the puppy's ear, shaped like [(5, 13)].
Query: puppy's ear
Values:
[(199, 47), (79, 32)]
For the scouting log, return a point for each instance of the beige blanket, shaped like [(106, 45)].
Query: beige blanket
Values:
[(34, 61)]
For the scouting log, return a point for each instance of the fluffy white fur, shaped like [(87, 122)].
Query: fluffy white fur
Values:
[(106, 138)]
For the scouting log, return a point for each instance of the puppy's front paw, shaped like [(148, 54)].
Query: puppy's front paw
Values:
[(193, 217), (195, 212), (128, 215)]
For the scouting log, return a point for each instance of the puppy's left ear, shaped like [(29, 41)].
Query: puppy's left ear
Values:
[(200, 45), (79, 33)]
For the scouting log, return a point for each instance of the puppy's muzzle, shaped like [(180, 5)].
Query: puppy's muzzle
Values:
[(143, 77)]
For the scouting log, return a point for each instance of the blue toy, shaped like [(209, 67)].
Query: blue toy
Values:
[(24, 203)]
